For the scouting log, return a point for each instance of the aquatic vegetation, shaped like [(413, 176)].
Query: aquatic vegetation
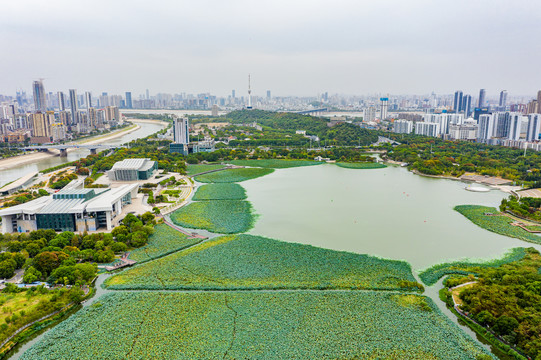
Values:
[(225, 191), (219, 216), (275, 163), (164, 240), (495, 223), (431, 275), (254, 262), (233, 175), (194, 169), (256, 325), (361, 165)]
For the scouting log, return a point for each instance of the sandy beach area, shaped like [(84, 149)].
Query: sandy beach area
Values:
[(36, 156)]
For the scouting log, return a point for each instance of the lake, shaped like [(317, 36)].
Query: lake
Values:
[(388, 212)]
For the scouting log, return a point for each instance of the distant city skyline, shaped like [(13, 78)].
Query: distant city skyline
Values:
[(295, 48)]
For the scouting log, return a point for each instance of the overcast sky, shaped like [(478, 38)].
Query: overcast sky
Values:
[(290, 47)]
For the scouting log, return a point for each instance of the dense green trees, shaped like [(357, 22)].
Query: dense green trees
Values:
[(507, 300), (526, 207), (440, 157), (46, 255)]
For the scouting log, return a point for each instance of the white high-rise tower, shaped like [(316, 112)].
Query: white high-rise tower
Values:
[(181, 131), (249, 94)]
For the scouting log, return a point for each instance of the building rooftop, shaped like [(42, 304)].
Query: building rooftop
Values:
[(60, 206), (133, 164), (63, 203)]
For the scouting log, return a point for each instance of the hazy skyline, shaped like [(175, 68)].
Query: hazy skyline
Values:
[(290, 47)]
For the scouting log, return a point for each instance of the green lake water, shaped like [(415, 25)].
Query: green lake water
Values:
[(388, 212)]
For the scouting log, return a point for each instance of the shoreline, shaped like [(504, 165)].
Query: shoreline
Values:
[(8, 163), (503, 188)]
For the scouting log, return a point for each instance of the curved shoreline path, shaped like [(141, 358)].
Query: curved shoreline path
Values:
[(13, 168)]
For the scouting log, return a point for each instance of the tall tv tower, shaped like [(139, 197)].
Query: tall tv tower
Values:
[(249, 107)]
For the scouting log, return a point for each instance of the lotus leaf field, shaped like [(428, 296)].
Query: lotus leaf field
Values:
[(361, 165), (225, 191), (275, 163), (194, 169), (253, 262), (257, 325), (431, 275), (497, 223), (233, 175), (219, 216), (163, 241)]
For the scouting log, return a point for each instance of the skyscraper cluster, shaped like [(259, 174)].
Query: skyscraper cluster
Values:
[(462, 103)]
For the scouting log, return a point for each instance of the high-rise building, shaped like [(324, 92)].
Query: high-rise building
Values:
[(268, 94), (129, 104), (92, 118), (501, 124), (384, 108), (58, 132), (369, 114), (181, 131), (61, 101), (112, 114), (64, 117), (466, 105), (482, 96), (249, 93), (533, 107), (233, 94), (427, 129), (480, 111), (74, 107), (515, 125), (148, 95), (402, 126), (40, 125), (214, 110), (104, 100), (88, 99), (457, 103), (503, 99), (534, 126), (39, 96), (486, 127)]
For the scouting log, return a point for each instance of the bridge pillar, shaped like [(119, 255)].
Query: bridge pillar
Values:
[(93, 151), (63, 152)]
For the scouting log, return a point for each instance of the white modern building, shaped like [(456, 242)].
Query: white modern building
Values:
[(465, 131), (132, 170), (444, 120), (534, 122), (485, 127), (427, 129), (369, 114), (403, 127), (181, 131), (71, 209)]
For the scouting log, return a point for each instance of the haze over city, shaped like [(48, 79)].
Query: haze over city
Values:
[(294, 48)]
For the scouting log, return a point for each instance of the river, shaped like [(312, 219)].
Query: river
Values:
[(145, 128)]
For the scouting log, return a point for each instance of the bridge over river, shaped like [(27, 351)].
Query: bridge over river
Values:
[(64, 147)]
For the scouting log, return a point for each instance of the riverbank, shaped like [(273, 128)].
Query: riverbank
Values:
[(11, 162)]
